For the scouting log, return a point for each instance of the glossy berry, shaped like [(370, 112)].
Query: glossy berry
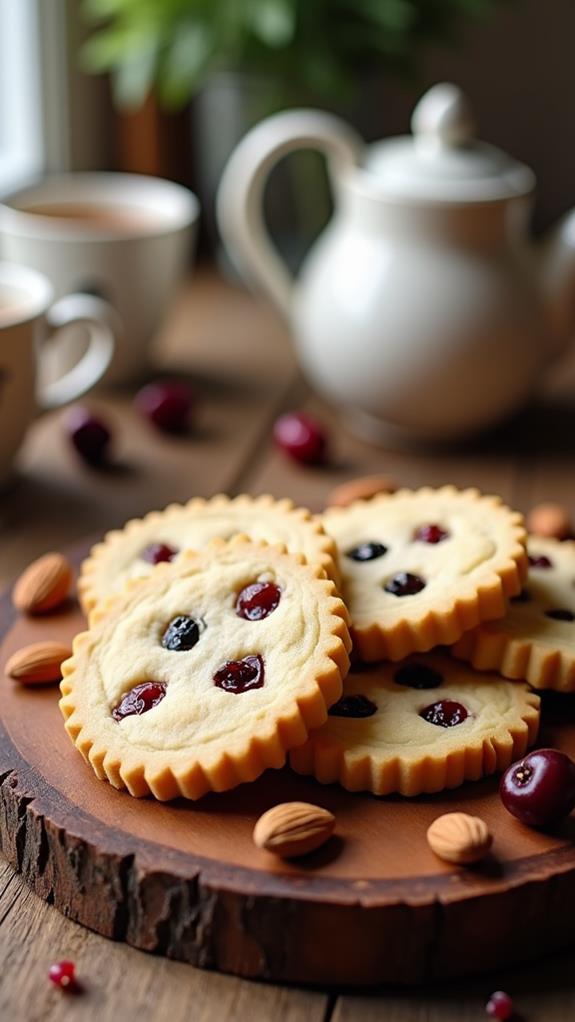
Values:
[(167, 404), (63, 975), (404, 584), (430, 534), (445, 713), (257, 600), (353, 706), (560, 614), (366, 551), (500, 1006), (156, 553), (540, 789), (417, 676), (140, 699), (540, 561), (181, 634), (301, 437), (89, 434), (241, 675)]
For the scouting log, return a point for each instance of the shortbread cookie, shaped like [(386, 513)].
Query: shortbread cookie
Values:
[(203, 675), (535, 641), (421, 567), (132, 552), (420, 726)]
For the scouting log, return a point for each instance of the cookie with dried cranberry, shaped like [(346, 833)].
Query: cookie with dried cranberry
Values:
[(420, 726), (421, 567), (535, 641), (204, 674), (162, 536)]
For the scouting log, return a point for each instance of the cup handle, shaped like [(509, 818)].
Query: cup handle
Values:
[(104, 326)]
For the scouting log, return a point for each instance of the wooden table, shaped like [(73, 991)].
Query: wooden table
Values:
[(239, 358)]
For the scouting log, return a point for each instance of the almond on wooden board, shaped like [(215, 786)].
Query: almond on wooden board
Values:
[(38, 664), (44, 585), (293, 828), (459, 838), (362, 488), (552, 520)]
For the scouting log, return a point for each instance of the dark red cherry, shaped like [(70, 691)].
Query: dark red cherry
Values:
[(63, 975), (241, 675), (156, 553), (366, 551), (560, 614), (167, 404), (418, 676), (445, 713), (182, 634), (140, 699), (353, 706), (89, 434), (301, 437), (257, 600), (500, 1006), (540, 789), (404, 584), (540, 561), (430, 534)]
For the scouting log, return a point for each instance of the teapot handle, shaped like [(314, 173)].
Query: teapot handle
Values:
[(239, 203)]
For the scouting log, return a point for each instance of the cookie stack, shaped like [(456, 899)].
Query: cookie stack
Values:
[(220, 631)]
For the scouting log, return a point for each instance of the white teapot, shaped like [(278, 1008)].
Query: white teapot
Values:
[(423, 309)]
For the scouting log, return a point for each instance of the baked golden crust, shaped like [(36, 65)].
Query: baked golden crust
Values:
[(396, 750), (191, 526), (468, 576), (527, 644), (200, 737)]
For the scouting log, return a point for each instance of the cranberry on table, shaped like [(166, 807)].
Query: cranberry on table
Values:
[(540, 789), (500, 1006), (167, 404), (63, 975), (300, 436), (89, 434), (158, 553), (256, 601)]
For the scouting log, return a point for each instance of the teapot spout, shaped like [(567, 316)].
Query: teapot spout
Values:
[(558, 279)]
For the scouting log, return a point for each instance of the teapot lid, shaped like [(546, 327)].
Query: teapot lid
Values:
[(442, 160)]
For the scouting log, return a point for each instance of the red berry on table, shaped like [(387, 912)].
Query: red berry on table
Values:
[(301, 437), (63, 975), (540, 789), (89, 434), (500, 1006), (167, 404)]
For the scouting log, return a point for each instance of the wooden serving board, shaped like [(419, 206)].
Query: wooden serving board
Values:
[(185, 880)]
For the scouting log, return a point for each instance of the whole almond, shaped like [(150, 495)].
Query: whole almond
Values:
[(44, 585), (38, 664), (360, 489), (293, 828), (552, 520), (457, 837)]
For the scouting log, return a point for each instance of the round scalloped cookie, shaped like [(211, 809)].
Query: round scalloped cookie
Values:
[(535, 641), (420, 567), (175, 691), (191, 526), (391, 730)]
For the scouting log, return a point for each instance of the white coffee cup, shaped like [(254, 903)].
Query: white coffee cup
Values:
[(126, 237), (28, 319)]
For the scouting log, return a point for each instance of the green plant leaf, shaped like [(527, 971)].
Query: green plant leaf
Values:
[(185, 61), (272, 21)]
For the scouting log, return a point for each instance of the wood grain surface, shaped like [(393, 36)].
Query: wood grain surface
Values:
[(239, 357)]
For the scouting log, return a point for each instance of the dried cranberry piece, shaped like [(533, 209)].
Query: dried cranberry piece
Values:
[(560, 614), (430, 534), (418, 676), (366, 551), (404, 584), (241, 675), (182, 633), (445, 713), (353, 706), (140, 699), (540, 561), (156, 553), (258, 600)]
